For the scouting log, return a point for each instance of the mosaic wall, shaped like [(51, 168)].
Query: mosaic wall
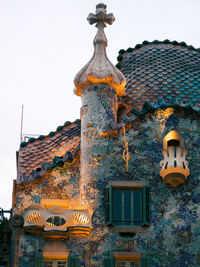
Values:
[(174, 235), (59, 183), (28, 245)]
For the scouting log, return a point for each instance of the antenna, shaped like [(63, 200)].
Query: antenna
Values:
[(22, 117)]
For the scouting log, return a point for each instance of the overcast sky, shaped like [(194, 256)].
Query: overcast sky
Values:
[(44, 43)]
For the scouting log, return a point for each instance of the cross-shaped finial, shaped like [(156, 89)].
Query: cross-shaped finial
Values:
[(99, 69), (101, 16)]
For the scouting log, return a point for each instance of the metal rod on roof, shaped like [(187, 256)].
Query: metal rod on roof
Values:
[(22, 118)]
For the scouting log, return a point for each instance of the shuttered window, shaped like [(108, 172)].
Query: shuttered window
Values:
[(144, 261), (127, 264), (72, 261), (127, 206), (55, 263), (110, 261)]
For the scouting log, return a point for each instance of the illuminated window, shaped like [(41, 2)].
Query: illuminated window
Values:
[(126, 259), (55, 263), (69, 261), (80, 218), (34, 216), (127, 264)]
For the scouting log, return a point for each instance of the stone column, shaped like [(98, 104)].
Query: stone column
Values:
[(98, 83)]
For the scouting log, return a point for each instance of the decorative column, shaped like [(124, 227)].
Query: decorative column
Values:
[(98, 83)]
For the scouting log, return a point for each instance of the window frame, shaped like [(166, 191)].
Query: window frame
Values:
[(140, 258), (72, 261), (144, 206), (56, 261)]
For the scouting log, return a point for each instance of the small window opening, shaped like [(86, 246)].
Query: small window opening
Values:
[(166, 165), (173, 142), (175, 152), (183, 164)]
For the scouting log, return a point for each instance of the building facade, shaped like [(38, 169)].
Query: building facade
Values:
[(121, 186)]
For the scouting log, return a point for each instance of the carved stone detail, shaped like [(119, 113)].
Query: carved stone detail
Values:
[(99, 69), (17, 221)]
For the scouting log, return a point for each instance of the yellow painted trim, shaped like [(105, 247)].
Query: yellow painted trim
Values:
[(172, 135), (169, 170), (119, 87), (121, 256), (55, 257), (49, 203), (62, 203)]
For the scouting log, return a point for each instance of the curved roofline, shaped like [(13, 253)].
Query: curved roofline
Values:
[(136, 113), (155, 42)]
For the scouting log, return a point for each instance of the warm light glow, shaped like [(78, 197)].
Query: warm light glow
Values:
[(49, 203), (55, 221), (172, 135), (50, 224), (33, 216), (80, 218)]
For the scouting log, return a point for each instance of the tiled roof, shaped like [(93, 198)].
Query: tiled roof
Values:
[(160, 70), (159, 75), (38, 155), (146, 107)]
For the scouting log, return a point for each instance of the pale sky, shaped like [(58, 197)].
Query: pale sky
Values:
[(44, 43)]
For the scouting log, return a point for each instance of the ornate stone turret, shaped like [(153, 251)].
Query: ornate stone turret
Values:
[(99, 69), (98, 83)]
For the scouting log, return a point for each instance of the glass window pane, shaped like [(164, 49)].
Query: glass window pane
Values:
[(118, 206), (137, 206), (120, 264), (48, 263), (127, 264), (127, 207), (147, 205), (62, 264), (134, 264)]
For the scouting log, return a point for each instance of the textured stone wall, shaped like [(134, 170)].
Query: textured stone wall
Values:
[(173, 237), (98, 115), (58, 183)]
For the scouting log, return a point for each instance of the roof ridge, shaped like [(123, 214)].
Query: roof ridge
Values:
[(51, 134), (147, 106), (145, 43)]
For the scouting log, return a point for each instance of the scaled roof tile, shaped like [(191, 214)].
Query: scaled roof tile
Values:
[(34, 154), (156, 67)]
